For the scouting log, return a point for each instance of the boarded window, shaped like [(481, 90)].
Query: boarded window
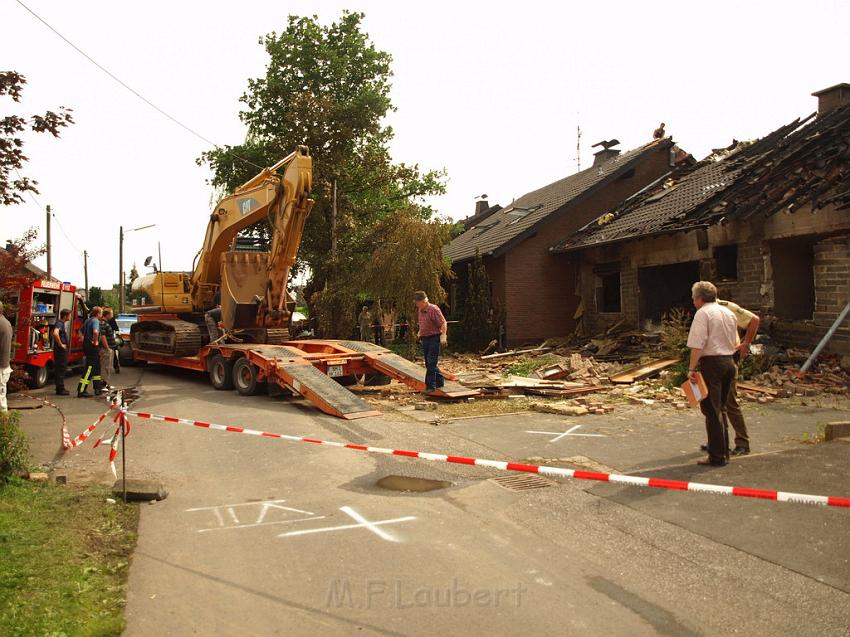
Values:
[(726, 260), (793, 262)]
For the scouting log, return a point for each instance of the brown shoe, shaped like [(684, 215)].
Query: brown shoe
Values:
[(712, 463)]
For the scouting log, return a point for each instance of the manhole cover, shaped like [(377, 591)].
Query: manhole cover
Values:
[(406, 483), (523, 482)]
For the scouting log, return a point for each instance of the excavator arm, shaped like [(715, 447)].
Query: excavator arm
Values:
[(285, 202)]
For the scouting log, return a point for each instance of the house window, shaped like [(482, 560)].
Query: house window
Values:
[(608, 287), (726, 260)]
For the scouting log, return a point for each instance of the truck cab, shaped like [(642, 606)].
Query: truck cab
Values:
[(34, 307)]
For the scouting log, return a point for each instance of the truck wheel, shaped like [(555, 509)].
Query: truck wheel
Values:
[(376, 379), (221, 372), (245, 377), (38, 376)]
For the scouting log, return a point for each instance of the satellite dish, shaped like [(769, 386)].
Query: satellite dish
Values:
[(148, 261)]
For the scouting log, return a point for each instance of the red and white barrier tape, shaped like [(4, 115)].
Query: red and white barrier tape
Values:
[(67, 443), (66, 439), (658, 483)]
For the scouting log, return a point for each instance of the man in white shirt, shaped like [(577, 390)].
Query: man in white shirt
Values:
[(713, 340)]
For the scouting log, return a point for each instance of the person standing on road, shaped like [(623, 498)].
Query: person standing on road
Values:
[(749, 322), (61, 345), (713, 340), (116, 359), (433, 331), (107, 342), (365, 322), (5, 357), (91, 340)]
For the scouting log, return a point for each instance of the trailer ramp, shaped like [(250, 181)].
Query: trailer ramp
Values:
[(323, 391), (404, 371)]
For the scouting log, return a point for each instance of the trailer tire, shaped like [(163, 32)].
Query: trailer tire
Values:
[(221, 372), (245, 377), (38, 376), (376, 379)]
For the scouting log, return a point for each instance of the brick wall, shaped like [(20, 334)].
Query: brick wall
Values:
[(540, 287)]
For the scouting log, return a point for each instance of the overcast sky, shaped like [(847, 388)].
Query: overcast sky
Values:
[(490, 91)]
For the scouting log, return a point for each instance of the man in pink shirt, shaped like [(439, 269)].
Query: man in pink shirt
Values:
[(713, 340), (432, 332)]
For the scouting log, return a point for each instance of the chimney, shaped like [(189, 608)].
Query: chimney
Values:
[(481, 206), (832, 97), (604, 156)]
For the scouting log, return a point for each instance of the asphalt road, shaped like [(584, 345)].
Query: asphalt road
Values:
[(263, 537)]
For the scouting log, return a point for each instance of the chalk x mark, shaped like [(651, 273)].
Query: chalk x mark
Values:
[(568, 432)]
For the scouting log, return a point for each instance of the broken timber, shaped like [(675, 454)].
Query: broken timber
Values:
[(640, 372), (517, 352)]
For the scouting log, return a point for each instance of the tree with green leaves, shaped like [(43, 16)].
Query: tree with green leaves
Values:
[(12, 184), (328, 87), (478, 327), (407, 256)]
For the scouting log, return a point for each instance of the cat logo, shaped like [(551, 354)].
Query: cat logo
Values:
[(246, 205)]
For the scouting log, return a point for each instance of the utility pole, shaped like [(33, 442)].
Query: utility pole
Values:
[(49, 264), (121, 263), (86, 272), (120, 269)]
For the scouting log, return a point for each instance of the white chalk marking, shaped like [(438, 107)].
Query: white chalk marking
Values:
[(362, 523), (568, 432), (248, 526), (234, 522)]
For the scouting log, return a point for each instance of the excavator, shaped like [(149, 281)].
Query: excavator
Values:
[(251, 285), (255, 351)]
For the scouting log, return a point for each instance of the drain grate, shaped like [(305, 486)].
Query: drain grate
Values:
[(522, 482)]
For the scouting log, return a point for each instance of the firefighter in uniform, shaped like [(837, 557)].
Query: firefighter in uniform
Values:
[(91, 340), (60, 352)]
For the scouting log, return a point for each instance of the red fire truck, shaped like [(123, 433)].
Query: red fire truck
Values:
[(36, 306)]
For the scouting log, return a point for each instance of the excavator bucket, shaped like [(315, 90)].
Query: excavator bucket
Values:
[(243, 283)]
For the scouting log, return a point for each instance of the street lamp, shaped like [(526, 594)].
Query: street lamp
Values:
[(121, 263)]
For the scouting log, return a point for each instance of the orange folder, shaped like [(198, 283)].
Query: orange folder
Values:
[(695, 391)]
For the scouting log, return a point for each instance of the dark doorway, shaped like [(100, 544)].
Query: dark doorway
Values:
[(793, 262), (664, 287)]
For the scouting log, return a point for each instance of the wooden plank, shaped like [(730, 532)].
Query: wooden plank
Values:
[(517, 352), (757, 389), (640, 372)]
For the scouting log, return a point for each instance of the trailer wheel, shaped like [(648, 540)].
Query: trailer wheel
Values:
[(376, 379), (245, 377), (38, 376), (221, 372)]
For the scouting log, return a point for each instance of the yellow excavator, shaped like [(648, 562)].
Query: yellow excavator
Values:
[(251, 286)]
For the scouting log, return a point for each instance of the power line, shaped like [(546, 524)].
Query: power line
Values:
[(132, 90), (52, 214)]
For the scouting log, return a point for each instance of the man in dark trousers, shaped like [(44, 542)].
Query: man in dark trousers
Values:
[(713, 340), (432, 332), (60, 352), (91, 341)]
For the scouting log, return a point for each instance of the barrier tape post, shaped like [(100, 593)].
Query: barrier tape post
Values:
[(123, 425), (636, 481)]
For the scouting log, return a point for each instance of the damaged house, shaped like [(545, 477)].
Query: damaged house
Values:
[(767, 221), (533, 287)]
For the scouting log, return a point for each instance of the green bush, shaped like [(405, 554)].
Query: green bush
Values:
[(14, 445)]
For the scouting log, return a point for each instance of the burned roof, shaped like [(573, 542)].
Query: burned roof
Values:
[(804, 162), (500, 230)]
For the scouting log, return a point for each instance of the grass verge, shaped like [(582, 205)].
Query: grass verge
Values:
[(64, 555)]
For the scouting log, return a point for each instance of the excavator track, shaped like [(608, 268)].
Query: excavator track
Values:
[(169, 337)]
